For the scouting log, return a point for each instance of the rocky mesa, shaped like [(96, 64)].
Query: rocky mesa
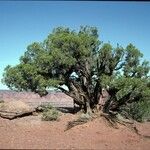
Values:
[(56, 99)]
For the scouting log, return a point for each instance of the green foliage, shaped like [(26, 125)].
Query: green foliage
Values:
[(50, 113), (139, 111), (44, 107), (45, 64)]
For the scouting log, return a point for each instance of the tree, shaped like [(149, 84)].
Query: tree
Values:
[(80, 61)]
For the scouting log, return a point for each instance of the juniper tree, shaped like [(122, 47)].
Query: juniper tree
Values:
[(79, 60)]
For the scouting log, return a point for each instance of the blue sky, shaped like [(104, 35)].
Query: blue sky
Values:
[(22, 23)]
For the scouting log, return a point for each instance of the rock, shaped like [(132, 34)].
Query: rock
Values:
[(1, 101), (13, 109)]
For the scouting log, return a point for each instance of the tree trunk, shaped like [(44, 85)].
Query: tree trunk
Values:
[(88, 108)]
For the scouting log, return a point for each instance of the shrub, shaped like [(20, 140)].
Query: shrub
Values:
[(50, 114), (44, 107), (139, 111)]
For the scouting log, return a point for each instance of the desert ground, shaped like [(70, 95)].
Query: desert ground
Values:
[(30, 132)]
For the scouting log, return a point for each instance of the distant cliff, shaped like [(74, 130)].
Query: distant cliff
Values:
[(57, 99)]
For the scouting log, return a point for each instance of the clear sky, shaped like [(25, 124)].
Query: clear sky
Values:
[(22, 23)]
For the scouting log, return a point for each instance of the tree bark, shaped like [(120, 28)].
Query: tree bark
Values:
[(88, 108)]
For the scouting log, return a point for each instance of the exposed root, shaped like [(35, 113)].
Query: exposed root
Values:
[(111, 120), (135, 130), (84, 118), (74, 123)]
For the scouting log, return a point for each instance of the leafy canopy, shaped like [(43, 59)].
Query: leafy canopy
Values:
[(66, 52)]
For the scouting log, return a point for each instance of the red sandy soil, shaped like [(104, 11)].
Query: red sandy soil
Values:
[(32, 133)]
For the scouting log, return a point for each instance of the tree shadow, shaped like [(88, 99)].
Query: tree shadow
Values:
[(71, 110)]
